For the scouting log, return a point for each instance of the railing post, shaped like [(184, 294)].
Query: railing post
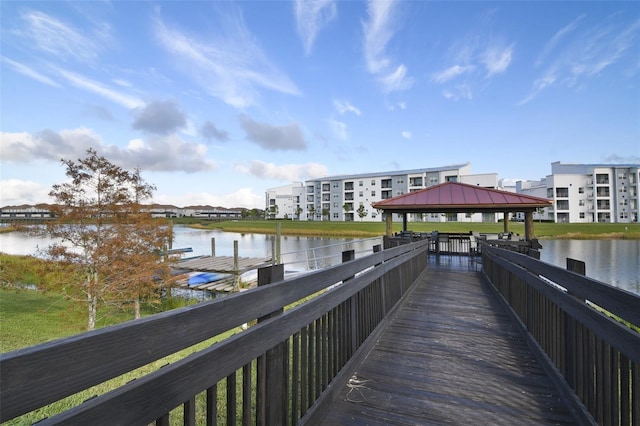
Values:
[(383, 291), (272, 393), (577, 266), (348, 255)]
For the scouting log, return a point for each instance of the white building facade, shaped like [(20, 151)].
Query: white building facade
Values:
[(588, 193), (349, 197), (285, 202)]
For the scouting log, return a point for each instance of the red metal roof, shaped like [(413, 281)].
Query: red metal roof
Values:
[(461, 197)]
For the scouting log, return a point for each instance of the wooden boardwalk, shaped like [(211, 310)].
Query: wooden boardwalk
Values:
[(451, 355)]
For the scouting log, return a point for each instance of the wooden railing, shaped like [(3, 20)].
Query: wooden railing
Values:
[(282, 369), (592, 355)]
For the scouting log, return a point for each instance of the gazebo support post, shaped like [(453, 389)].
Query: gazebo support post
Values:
[(528, 225), (505, 221), (389, 223), (404, 222)]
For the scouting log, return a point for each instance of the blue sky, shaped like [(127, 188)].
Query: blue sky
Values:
[(218, 101)]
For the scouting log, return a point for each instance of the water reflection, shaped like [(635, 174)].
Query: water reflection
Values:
[(615, 262), (297, 253)]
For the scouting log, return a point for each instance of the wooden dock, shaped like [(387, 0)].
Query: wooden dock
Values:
[(451, 355), (235, 266)]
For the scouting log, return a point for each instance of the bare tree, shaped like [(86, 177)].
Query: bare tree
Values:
[(105, 232)]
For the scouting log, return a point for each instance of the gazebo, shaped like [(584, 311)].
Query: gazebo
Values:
[(455, 197)]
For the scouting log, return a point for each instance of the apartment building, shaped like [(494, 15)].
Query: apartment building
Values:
[(587, 193), (284, 202), (349, 197)]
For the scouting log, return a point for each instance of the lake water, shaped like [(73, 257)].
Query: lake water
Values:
[(616, 262)]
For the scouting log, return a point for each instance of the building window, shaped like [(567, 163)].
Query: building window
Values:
[(602, 191), (360, 183), (373, 182), (562, 204), (581, 190), (602, 179), (581, 203), (562, 192), (326, 187), (373, 193), (360, 194), (581, 215), (603, 205)]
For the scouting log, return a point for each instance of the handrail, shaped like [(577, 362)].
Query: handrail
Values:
[(36, 376), (616, 300), (594, 357)]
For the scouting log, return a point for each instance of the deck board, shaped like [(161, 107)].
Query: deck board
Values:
[(451, 355)]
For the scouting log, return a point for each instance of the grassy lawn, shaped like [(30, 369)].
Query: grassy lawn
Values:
[(30, 317), (371, 229)]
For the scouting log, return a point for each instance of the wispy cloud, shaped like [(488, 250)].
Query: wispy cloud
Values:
[(474, 59), (476, 62), (285, 172), (338, 128), (379, 29), (406, 134), (496, 59), (557, 37), (577, 53), (311, 16), (230, 66), (63, 40), (343, 107), (452, 72), (29, 72), (458, 91), (100, 89)]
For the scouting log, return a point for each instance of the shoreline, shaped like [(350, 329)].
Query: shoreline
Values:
[(364, 234)]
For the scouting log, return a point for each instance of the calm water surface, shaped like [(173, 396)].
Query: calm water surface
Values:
[(616, 262)]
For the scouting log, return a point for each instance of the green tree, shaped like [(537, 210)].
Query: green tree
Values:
[(273, 211), (106, 233), (362, 212)]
